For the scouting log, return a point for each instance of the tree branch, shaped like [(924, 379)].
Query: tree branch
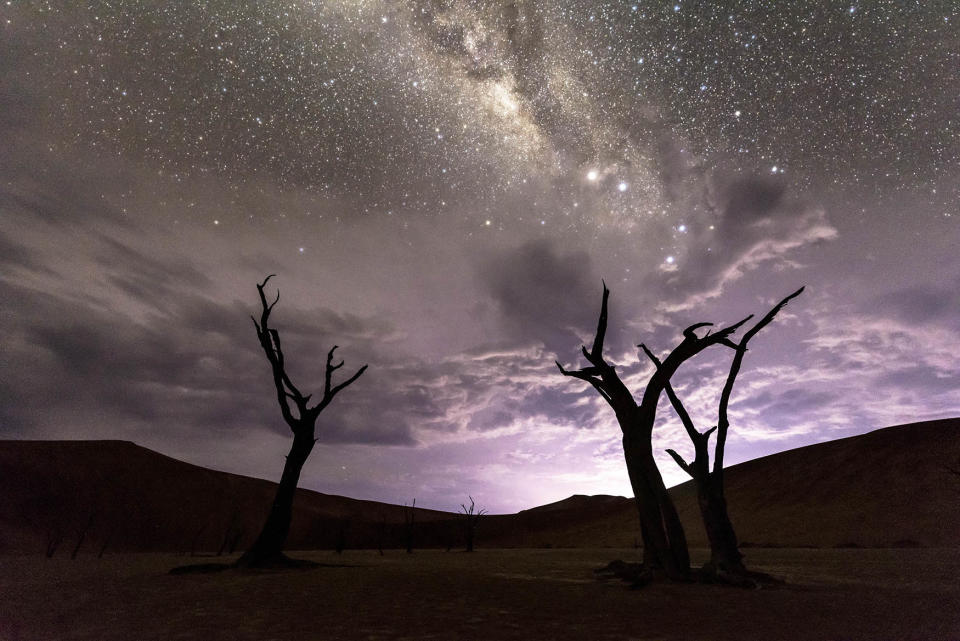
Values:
[(601, 375), (597, 350), (683, 464), (674, 399), (740, 349), (285, 388)]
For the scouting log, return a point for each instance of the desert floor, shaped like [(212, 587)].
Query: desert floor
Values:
[(490, 594)]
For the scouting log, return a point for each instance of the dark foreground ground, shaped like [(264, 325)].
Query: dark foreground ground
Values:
[(492, 594)]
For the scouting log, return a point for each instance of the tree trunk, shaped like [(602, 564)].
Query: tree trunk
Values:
[(268, 547), (725, 557), (664, 541)]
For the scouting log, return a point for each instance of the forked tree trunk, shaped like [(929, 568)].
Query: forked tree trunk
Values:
[(268, 546), (726, 562), (664, 541)]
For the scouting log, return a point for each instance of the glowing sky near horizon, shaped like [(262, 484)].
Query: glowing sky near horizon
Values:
[(440, 187)]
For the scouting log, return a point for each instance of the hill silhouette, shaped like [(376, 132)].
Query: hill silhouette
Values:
[(885, 488)]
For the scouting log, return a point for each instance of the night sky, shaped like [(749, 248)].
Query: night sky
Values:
[(439, 187)]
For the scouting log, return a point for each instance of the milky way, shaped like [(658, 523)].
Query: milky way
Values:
[(442, 184)]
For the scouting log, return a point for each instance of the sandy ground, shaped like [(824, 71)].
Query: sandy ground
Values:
[(492, 594)]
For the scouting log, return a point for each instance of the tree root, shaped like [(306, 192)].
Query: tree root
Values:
[(200, 568), (638, 576), (276, 562)]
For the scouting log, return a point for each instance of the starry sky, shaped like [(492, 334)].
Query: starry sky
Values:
[(439, 187)]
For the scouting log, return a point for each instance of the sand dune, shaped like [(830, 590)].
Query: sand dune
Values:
[(884, 488)]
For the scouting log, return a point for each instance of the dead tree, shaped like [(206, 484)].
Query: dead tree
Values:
[(195, 541), (664, 541), (381, 532), (232, 535), (82, 535), (301, 417), (470, 518), (340, 544), (105, 543), (409, 514), (53, 539), (726, 562)]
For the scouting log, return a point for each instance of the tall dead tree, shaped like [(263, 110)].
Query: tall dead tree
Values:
[(409, 515), (664, 541), (301, 417), (726, 562), (471, 516)]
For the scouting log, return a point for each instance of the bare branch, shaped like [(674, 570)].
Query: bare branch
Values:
[(329, 371), (723, 423), (587, 374), (674, 399), (265, 314), (725, 333), (690, 332), (347, 382), (768, 318), (597, 351), (683, 464), (650, 355)]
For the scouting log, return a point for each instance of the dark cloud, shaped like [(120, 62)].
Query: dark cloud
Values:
[(16, 256), (543, 294), (781, 402), (920, 304), (156, 280), (754, 222), (924, 378), (748, 200), (193, 363)]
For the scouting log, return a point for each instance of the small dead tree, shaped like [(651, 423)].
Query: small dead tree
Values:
[(301, 417), (105, 543), (664, 541), (726, 562), (195, 541), (232, 535), (409, 514), (81, 533), (470, 518), (53, 539), (340, 544), (381, 532)]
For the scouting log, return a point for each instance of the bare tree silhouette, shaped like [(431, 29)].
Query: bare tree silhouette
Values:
[(381, 533), (81, 532), (726, 562), (195, 541), (409, 514), (340, 543), (470, 518), (267, 549), (664, 541), (232, 535), (52, 540)]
